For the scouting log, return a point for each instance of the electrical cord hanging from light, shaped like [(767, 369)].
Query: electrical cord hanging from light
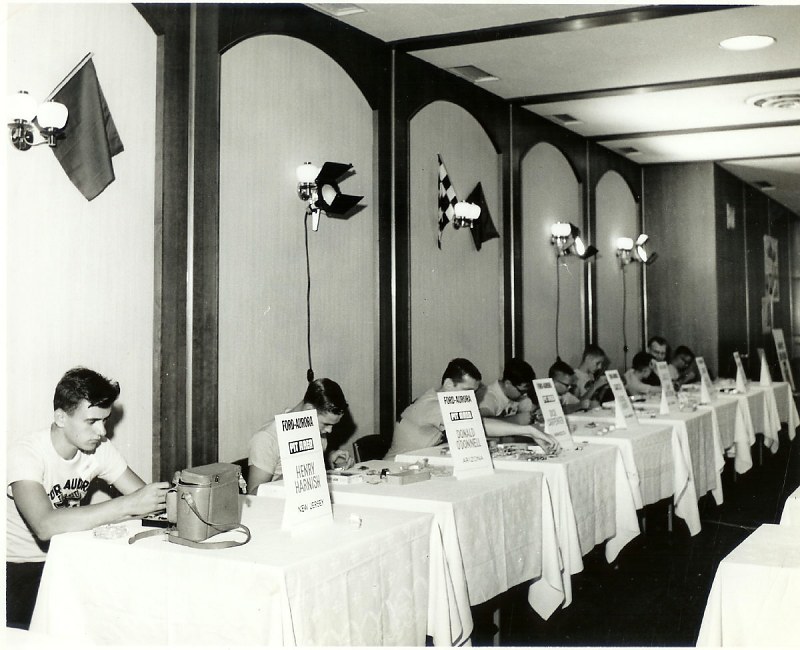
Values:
[(319, 188)]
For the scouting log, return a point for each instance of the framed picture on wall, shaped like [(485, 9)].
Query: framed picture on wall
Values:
[(766, 314), (771, 287)]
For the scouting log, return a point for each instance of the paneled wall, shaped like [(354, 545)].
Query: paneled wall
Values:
[(273, 119), (550, 192), (456, 302), (682, 285), (80, 275), (617, 216)]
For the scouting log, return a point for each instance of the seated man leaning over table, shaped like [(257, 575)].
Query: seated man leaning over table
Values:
[(48, 475), (589, 377), (563, 377), (264, 462), (636, 376), (658, 349), (421, 424), (508, 398), (682, 367)]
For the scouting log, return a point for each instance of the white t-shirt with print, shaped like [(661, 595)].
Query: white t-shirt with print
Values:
[(33, 458)]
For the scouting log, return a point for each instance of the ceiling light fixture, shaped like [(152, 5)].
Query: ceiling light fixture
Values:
[(473, 73), (785, 100), (747, 42)]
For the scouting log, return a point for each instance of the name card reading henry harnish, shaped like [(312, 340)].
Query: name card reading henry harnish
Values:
[(555, 423), (308, 500), (465, 434)]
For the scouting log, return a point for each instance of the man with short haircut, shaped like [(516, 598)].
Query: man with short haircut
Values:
[(508, 398), (49, 473), (264, 462), (563, 377), (637, 375), (589, 377), (658, 349), (682, 368), (421, 424)]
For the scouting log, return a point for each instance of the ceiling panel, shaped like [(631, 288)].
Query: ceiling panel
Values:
[(661, 85), (707, 107)]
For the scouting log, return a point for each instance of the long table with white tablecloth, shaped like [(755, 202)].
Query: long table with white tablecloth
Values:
[(339, 585)]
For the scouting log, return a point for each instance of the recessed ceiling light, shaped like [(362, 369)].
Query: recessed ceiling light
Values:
[(629, 151), (748, 42), (765, 186)]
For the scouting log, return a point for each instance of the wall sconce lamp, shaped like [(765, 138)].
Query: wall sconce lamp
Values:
[(319, 188), (466, 214), (629, 251), (566, 237), (24, 112)]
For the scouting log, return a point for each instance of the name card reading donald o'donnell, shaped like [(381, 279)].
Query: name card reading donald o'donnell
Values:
[(308, 499), (555, 424), (465, 434), (623, 407)]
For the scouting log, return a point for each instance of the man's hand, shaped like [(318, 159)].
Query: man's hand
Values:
[(341, 459), (147, 500), (546, 441)]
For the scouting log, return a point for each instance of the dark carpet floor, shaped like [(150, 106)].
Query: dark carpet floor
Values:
[(655, 593)]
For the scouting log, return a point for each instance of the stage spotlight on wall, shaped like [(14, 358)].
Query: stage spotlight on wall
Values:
[(23, 112), (466, 214), (566, 237), (319, 188), (628, 251)]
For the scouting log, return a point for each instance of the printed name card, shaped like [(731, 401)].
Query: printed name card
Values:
[(741, 378), (625, 415), (465, 434), (308, 499), (707, 393), (765, 378), (783, 357), (555, 423), (668, 396)]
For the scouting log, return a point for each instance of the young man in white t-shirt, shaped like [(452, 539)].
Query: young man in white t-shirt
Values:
[(509, 398), (48, 476)]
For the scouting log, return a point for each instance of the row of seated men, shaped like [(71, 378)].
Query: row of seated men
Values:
[(508, 404), (49, 472)]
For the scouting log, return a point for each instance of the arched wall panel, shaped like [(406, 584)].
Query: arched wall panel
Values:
[(550, 193), (617, 216), (456, 303), (270, 123)]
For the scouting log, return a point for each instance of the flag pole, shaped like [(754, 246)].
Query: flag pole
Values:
[(71, 74)]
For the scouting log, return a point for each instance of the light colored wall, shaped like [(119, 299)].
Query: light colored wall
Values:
[(550, 193), (79, 285), (456, 292), (284, 102), (617, 216)]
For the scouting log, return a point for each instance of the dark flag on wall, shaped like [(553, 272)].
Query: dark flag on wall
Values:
[(90, 137), (447, 200), (483, 229)]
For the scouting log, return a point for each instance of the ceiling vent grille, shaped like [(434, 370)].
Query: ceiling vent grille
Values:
[(789, 100), (473, 73), (565, 118), (339, 9)]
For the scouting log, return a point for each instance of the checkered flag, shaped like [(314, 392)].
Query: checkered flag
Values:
[(447, 200)]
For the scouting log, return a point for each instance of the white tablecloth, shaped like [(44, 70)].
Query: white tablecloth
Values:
[(591, 496), (787, 408), (646, 452), (497, 531), (755, 593), (762, 405), (336, 586), (791, 510), (696, 453)]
